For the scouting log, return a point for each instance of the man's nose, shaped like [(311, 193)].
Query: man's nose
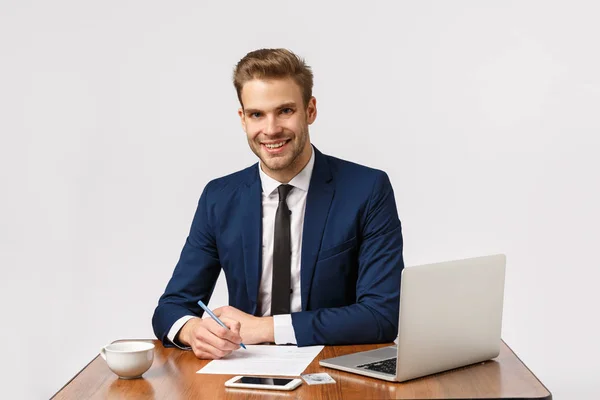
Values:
[(272, 126)]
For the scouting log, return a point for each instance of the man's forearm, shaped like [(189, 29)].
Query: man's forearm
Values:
[(253, 329), (267, 329)]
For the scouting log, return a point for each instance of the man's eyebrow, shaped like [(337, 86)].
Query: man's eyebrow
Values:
[(290, 104)]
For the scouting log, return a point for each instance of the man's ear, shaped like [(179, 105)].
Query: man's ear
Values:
[(311, 110), (242, 118)]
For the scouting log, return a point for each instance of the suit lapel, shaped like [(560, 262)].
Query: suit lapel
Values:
[(318, 201), (251, 236)]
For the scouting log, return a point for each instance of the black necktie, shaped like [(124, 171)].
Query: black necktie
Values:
[(282, 255)]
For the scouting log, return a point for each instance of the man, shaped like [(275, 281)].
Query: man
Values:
[(311, 245)]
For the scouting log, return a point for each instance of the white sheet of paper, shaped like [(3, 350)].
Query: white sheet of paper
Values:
[(264, 360)]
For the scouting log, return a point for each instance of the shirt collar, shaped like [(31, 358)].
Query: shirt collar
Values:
[(300, 181)]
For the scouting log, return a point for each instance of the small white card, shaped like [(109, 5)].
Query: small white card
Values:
[(317, 379)]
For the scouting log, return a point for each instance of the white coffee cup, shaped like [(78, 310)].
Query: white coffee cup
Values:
[(128, 360)]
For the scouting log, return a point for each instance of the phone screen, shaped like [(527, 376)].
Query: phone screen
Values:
[(263, 381)]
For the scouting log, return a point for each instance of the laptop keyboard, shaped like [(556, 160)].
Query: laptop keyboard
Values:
[(385, 366)]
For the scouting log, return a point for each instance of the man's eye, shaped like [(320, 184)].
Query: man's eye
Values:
[(286, 110), (255, 115)]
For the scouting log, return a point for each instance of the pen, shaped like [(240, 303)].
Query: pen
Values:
[(213, 316)]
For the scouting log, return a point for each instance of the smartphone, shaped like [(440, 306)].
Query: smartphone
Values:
[(260, 382)]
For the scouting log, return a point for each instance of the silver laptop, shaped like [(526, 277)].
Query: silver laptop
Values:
[(450, 316)]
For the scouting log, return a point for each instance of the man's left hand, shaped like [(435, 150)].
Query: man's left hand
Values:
[(253, 329)]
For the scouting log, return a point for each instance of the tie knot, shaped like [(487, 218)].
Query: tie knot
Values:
[(284, 190)]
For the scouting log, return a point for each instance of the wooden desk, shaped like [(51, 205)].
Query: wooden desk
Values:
[(173, 376)]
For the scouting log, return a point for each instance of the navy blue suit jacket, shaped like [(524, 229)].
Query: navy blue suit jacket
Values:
[(351, 259)]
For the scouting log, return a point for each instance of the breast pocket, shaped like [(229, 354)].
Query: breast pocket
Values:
[(333, 251)]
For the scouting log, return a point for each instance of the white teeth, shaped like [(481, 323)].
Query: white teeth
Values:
[(274, 146)]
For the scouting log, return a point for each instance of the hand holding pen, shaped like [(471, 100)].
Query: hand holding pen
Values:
[(213, 316), (208, 339)]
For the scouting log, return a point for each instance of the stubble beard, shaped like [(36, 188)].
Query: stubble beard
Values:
[(294, 156)]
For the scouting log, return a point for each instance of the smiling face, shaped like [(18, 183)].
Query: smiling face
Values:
[(276, 125)]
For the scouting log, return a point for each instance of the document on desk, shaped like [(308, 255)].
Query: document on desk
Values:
[(264, 360)]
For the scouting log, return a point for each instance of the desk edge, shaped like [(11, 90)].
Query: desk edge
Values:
[(76, 375), (549, 397)]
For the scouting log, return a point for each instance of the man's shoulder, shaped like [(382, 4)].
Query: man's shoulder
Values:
[(234, 180), (341, 168)]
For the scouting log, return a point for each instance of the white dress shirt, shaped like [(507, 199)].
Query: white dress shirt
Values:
[(296, 201)]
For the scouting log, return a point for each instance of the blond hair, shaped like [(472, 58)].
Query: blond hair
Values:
[(273, 64)]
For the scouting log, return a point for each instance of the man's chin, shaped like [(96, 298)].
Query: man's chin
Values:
[(275, 166), (276, 163)]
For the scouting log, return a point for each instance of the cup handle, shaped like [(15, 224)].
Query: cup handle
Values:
[(103, 353)]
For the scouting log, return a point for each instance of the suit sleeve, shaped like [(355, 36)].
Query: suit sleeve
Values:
[(194, 277), (374, 316)]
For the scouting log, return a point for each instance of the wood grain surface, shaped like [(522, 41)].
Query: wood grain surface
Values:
[(173, 376)]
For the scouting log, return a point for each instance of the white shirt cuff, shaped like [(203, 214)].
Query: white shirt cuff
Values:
[(176, 328), (283, 330)]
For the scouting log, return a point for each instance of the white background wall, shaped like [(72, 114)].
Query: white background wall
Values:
[(115, 114)]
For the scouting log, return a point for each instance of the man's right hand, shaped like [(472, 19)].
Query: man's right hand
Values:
[(208, 339)]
